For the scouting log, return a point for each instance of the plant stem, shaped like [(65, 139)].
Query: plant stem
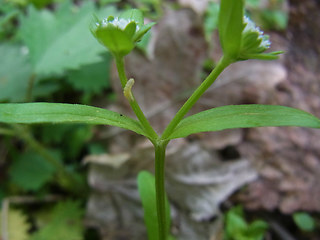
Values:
[(222, 64), (160, 154), (121, 71), (134, 104)]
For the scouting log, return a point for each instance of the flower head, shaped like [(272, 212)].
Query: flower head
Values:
[(239, 37), (120, 23), (120, 34), (254, 42)]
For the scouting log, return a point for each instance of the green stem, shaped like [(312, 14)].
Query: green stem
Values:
[(134, 104), (121, 71), (223, 63), (160, 152)]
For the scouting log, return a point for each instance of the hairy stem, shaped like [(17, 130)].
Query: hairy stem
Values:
[(134, 104), (223, 63)]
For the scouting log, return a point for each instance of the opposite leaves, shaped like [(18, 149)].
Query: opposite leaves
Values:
[(30, 113)]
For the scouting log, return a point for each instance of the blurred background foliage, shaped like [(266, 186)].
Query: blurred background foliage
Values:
[(48, 54)]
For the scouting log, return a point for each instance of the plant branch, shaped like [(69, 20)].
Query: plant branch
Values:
[(222, 64), (133, 102)]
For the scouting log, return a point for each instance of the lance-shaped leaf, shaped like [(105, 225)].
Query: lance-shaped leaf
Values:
[(30, 113), (244, 116)]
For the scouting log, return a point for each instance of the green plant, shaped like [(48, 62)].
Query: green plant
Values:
[(119, 33), (236, 227), (304, 221)]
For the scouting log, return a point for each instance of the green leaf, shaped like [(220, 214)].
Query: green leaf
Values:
[(60, 40), (65, 223), (92, 78), (257, 229), (304, 221), (147, 191), (230, 27), (252, 3), (244, 116), (265, 56), (235, 223), (30, 113), (105, 2), (275, 19), (133, 14), (30, 171), (144, 43), (237, 227), (15, 71), (18, 227)]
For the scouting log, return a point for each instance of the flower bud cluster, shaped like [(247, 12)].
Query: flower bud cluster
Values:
[(117, 22), (120, 34)]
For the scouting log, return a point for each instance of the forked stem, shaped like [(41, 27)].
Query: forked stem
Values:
[(160, 144), (134, 104)]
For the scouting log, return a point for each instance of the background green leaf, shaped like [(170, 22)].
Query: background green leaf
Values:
[(211, 19), (133, 14), (147, 191), (61, 40), (92, 78), (244, 116), (13, 83), (18, 227), (30, 171), (237, 228), (304, 221), (31, 113), (65, 223)]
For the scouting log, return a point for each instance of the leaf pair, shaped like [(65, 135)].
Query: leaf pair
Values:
[(216, 119)]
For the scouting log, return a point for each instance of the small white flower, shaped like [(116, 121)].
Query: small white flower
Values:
[(251, 27), (117, 22)]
